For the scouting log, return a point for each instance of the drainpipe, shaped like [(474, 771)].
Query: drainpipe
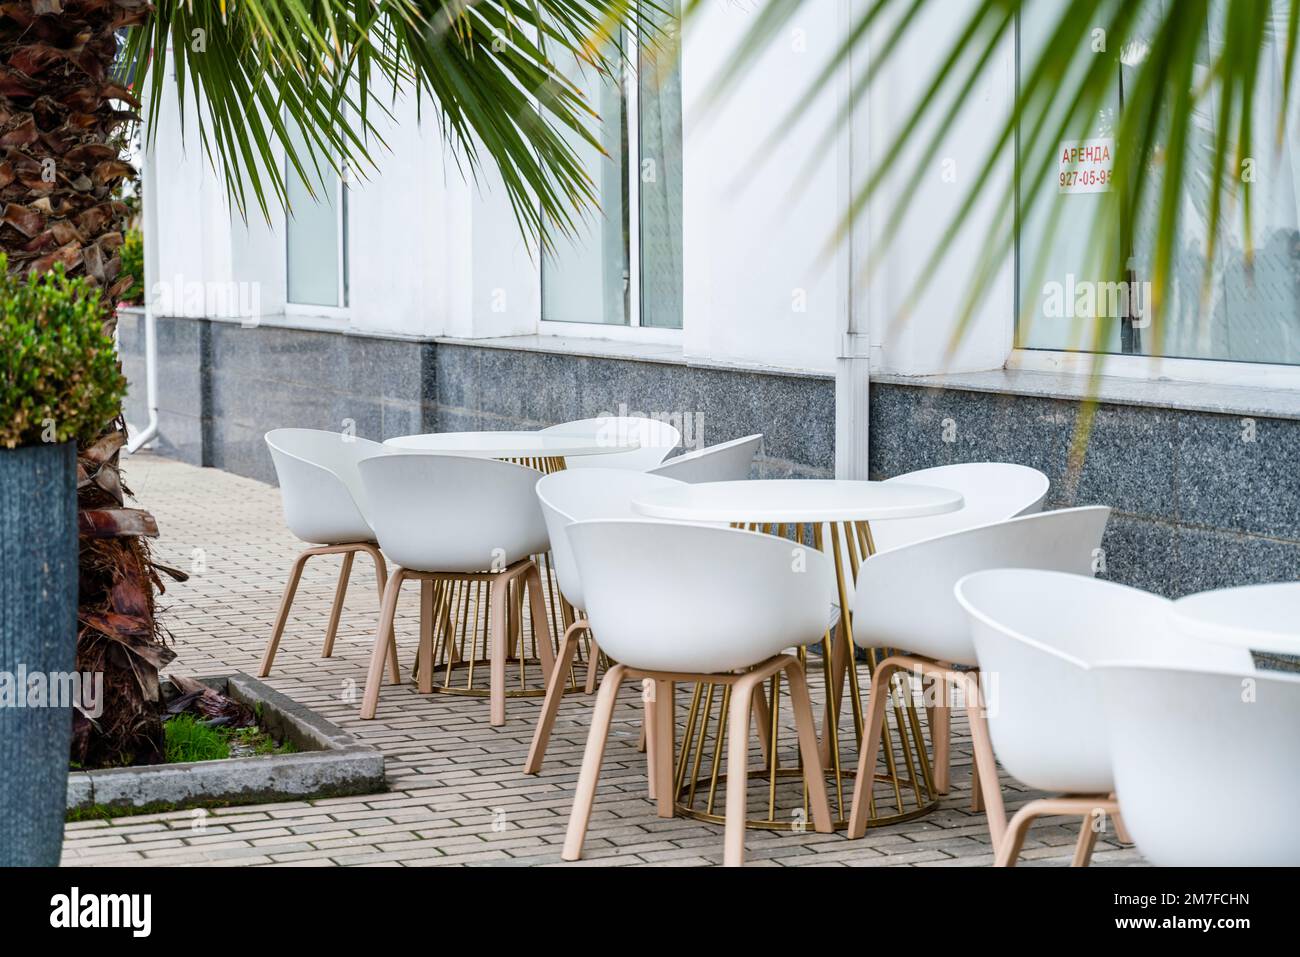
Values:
[(149, 215), (852, 406), (853, 362)]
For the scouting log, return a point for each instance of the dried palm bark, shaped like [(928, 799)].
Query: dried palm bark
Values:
[(62, 116)]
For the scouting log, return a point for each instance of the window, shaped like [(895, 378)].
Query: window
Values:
[(1245, 317), (316, 236), (625, 266)]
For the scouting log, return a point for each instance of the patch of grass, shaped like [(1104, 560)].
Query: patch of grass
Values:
[(258, 742), (190, 740), (108, 812)]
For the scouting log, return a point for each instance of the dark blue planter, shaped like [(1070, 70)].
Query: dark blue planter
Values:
[(38, 636)]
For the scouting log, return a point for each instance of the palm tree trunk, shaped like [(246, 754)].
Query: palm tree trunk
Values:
[(62, 117)]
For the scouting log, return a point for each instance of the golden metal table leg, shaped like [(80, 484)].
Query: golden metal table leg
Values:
[(461, 640)]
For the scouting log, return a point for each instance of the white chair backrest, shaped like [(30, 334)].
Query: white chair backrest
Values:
[(904, 597), (449, 513), (319, 483), (994, 492), (584, 495), (1036, 634), (656, 440), (665, 596), (724, 462), (1205, 763)]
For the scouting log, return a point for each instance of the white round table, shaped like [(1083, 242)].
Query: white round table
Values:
[(550, 448), (796, 501), (1256, 617), (834, 516)]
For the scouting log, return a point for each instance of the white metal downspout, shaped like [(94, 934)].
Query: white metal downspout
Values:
[(149, 227), (852, 367)]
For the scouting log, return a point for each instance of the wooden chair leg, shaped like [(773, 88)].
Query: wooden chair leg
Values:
[(665, 742), (1121, 832), (282, 617), (643, 742), (737, 771), (554, 695), (585, 793), (541, 626), (1087, 805), (336, 609), (941, 737), (1008, 849), (593, 662), (381, 580), (762, 722), (866, 776), (985, 772), (649, 732), (1086, 842), (425, 655), (801, 704), (498, 612), (383, 638)]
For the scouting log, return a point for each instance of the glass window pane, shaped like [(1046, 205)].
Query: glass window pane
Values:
[(587, 278), (312, 236), (1056, 242), (1245, 309), (660, 179)]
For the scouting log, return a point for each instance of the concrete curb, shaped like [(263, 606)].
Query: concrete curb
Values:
[(330, 763)]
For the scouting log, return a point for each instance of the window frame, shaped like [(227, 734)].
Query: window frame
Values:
[(1186, 369), (306, 309), (632, 330)]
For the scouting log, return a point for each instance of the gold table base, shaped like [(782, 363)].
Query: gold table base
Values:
[(461, 644), (904, 781)]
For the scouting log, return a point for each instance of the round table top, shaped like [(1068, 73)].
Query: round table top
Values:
[(1259, 617), (513, 445), (790, 501)]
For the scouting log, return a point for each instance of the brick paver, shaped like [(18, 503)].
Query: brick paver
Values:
[(457, 795)]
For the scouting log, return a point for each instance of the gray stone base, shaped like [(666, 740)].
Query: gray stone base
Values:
[(330, 762), (1201, 499)]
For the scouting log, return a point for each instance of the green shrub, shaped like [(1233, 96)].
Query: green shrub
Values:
[(132, 253), (189, 739), (59, 375)]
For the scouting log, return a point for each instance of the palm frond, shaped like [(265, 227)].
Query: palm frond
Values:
[(252, 70), (1172, 80)]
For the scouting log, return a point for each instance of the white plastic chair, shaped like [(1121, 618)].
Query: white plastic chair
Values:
[(1036, 634), (656, 440), (567, 497), (904, 600), (1204, 762), (674, 602), (994, 492), (320, 491), (724, 462), (448, 518)]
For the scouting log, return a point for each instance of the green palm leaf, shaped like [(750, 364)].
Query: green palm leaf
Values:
[(257, 68), (1058, 98)]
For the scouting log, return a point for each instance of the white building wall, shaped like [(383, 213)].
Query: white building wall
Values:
[(758, 211), (433, 252), (399, 272), (914, 334)]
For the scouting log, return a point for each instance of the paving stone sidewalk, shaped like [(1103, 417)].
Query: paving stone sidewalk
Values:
[(457, 794)]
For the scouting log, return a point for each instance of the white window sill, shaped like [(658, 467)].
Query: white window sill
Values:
[(1222, 399), (634, 351)]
